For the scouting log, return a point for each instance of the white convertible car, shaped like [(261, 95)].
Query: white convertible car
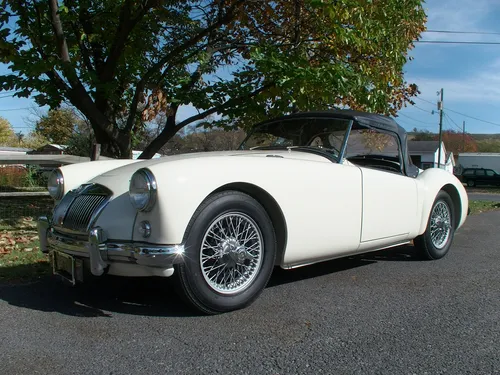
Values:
[(301, 189)]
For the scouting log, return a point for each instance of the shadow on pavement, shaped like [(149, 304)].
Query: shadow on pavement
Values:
[(396, 254), (156, 296), (404, 253), (102, 298)]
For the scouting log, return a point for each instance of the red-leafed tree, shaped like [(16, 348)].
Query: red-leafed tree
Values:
[(456, 142)]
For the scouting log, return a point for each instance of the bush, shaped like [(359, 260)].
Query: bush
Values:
[(20, 176)]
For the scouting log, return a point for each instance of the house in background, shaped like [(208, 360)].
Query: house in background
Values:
[(425, 154), (49, 149)]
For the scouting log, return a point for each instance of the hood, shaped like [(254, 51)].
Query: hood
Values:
[(118, 179), (289, 154)]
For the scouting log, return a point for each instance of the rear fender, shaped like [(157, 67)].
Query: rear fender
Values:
[(431, 182)]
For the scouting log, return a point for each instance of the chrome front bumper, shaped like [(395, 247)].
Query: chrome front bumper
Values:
[(102, 253)]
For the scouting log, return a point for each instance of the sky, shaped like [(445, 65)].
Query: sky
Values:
[(468, 74)]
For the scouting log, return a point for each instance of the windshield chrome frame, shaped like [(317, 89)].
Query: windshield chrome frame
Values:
[(342, 146), (344, 142)]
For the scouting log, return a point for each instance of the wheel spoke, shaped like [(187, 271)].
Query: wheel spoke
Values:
[(231, 253), (440, 224)]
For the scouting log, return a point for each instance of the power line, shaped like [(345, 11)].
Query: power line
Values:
[(462, 114), (13, 109), (427, 101), (474, 118), (451, 122), (454, 42), (461, 32), (422, 122), (450, 119), (416, 106), (448, 122)]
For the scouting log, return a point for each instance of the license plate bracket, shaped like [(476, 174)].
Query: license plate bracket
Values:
[(67, 267)]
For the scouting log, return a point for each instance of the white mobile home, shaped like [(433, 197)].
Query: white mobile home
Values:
[(488, 160), (425, 154)]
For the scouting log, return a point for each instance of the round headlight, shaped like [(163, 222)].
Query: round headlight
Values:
[(142, 190), (55, 184)]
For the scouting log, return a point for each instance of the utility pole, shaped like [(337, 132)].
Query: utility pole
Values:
[(440, 108), (463, 137)]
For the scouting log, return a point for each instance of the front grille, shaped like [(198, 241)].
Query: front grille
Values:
[(77, 208), (80, 212)]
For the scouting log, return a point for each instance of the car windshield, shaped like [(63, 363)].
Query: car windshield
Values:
[(325, 135)]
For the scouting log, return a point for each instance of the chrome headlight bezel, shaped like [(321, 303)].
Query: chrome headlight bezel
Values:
[(55, 184), (143, 199)]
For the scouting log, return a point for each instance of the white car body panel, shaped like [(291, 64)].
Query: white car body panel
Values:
[(430, 182), (325, 216), (388, 198), (77, 174), (330, 209), (189, 215), (311, 222)]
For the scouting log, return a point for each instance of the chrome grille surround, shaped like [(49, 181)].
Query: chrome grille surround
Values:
[(79, 208)]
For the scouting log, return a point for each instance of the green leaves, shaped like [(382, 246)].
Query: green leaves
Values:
[(6, 132), (242, 61)]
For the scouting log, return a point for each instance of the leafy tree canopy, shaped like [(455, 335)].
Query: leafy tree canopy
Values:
[(7, 135), (122, 62), (457, 142), (488, 145), (59, 125)]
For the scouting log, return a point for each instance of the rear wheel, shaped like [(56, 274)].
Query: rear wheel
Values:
[(471, 183), (435, 242), (230, 253)]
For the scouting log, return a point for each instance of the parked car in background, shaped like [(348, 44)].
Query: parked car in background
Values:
[(480, 176), (301, 189)]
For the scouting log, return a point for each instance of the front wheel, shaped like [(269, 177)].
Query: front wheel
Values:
[(435, 242), (230, 253)]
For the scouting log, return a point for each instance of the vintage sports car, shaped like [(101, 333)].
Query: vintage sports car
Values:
[(302, 188)]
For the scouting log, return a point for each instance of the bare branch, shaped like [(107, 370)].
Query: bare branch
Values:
[(126, 24), (171, 129)]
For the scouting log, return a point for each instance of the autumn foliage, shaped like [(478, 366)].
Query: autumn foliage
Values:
[(122, 63)]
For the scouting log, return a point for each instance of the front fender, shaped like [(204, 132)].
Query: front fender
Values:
[(430, 182), (76, 174)]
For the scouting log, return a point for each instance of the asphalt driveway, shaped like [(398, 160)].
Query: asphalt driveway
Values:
[(382, 313), (484, 197)]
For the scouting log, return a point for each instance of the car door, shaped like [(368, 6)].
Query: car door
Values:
[(491, 177), (481, 178), (389, 205), (389, 198)]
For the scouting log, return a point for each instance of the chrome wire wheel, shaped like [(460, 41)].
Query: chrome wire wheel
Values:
[(440, 224), (231, 253)]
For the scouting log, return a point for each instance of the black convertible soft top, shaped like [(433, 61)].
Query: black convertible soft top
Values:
[(372, 120), (364, 119)]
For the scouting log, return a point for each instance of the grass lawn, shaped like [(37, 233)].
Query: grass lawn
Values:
[(483, 190), (477, 207), (20, 256)]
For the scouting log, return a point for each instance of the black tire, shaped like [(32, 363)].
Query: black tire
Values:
[(189, 275), (471, 183), (426, 248)]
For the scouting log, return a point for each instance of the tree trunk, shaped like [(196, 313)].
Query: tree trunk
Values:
[(166, 134)]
